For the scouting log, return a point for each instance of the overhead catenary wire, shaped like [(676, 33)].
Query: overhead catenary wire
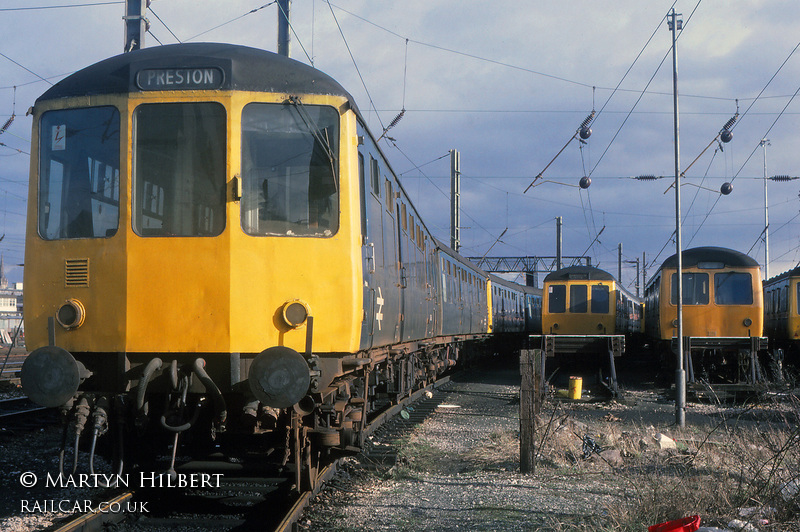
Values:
[(442, 192), (297, 38), (524, 69), (229, 21), (644, 91), (755, 148), (501, 185), (25, 68), (62, 6), (150, 8), (355, 64)]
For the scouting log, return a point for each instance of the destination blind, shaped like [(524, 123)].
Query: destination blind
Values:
[(179, 78)]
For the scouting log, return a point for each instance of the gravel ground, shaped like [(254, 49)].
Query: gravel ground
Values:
[(459, 469), (36, 452)]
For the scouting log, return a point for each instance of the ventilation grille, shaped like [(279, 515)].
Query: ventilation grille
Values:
[(76, 272)]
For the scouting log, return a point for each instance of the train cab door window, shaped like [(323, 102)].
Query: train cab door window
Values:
[(578, 303), (179, 152), (289, 170), (79, 153), (375, 176), (557, 298), (363, 198), (600, 299), (733, 288), (695, 289)]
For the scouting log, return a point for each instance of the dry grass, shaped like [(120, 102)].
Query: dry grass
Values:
[(720, 474)]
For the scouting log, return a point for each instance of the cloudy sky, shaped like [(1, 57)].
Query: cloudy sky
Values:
[(507, 83)]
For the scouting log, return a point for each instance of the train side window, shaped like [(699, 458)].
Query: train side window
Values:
[(733, 288), (363, 194), (600, 299), (179, 163), (79, 173), (557, 298), (375, 176), (388, 186), (695, 289), (784, 292), (578, 302), (290, 170)]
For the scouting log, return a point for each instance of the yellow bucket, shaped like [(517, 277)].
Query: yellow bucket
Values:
[(575, 387)]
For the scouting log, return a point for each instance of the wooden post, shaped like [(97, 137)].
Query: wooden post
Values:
[(531, 366)]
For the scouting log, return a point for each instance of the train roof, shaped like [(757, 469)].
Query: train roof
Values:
[(711, 254), (458, 257), (579, 273), (196, 66), (496, 279), (794, 272)]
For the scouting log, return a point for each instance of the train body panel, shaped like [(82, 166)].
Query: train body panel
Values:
[(782, 310), (461, 295), (533, 309), (380, 240), (205, 277), (507, 306)]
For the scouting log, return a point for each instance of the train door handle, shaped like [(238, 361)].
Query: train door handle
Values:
[(369, 257)]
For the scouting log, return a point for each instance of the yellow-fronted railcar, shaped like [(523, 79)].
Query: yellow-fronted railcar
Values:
[(582, 300), (216, 246), (587, 312), (722, 314)]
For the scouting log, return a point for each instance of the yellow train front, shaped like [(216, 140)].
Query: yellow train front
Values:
[(586, 312), (215, 240), (722, 315), (782, 318)]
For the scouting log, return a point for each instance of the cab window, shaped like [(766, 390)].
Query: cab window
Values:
[(79, 173), (733, 288), (578, 302), (695, 289), (600, 299), (557, 298), (289, 177), (179, 169)]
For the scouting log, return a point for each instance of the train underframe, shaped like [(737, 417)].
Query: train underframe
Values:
[(733, 364), (164, 411), (592, 353)]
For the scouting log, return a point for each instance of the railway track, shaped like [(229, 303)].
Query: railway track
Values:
[(244, 497), (11, 361), (22, 413)]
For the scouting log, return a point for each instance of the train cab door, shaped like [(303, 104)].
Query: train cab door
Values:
[(393, 280), (432, 307), (402, 251), (367, 258), (381, 278)]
